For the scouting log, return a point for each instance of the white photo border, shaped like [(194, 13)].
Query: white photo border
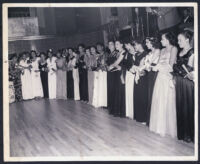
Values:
[(6, 141)]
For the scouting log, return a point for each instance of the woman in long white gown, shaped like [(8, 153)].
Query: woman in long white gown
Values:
[(35, 75), (163, 107), (26, 79), (51, 64), (96, 89), (129, 81)]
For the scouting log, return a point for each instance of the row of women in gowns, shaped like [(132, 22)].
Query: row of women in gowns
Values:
[(154, 87)]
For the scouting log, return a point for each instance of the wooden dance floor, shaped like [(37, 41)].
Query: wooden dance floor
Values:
[(72, 128)]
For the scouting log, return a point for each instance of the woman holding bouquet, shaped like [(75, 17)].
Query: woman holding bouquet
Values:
[(26, 79)]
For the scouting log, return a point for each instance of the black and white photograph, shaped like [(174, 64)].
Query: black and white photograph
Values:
[(100, 81)]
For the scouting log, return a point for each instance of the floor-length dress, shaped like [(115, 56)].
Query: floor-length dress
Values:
[(140, 92), (36, 80), (75, 76), (70, 85), (153, 59), (15, 77), (110, 81), (26, 79), (83, 78), (91, 63), (129, 86), (163, 107), (44, 78), (51, 64), (184, 99), (61, 91), (102, 81), (119, 105)]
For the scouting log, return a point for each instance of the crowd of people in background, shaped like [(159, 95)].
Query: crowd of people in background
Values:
[(150, 81)]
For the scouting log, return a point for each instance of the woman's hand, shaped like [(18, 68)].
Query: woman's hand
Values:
[(190, 76)]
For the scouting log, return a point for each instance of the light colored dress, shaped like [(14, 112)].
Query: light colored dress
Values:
[(26, 79), (36, 80), (129, 84), (102, 85), (163, 107), (75, 74), (51, 64), (61, 79)]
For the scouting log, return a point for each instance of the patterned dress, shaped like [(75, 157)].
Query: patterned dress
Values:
[(15, 77)]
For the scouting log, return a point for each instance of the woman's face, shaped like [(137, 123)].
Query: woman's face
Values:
[(70, 52), (50, 54), (88, 52), (182, 41), (164, 41), (148, 44), (58, 54), (137, 46), (33, 54), (111, 46), (81, 49), (93, 50), (14, 59), (42, 57), (118, 45)]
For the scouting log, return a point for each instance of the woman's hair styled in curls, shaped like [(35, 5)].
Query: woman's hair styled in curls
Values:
[(155, 42), (187, 34), (139, 41), (171, 38)]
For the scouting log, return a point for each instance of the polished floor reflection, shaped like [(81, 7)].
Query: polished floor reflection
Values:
[(72, 128)]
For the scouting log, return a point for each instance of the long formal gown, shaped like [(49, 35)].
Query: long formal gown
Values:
[(184, 99), (140, 92), (44, 78), (83, 78), (129, 84), (119, 106), (61, 91), (75, 76), (102, 82), (15, 77), (51, 64), (163, 107), (36, 80), (110, 81), (90, 63), (26, 79), (152, 60)]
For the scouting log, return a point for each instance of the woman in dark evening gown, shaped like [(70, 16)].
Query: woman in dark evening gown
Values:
[(152, 58), (110, 76), (44, 74), (119, 108), (70, 80), (185, 88), (83, 77), (141, 84)]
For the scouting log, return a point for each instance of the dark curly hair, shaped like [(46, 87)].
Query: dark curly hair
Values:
[(187, 34), (139, 41), (155, 42), (171, 38)]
